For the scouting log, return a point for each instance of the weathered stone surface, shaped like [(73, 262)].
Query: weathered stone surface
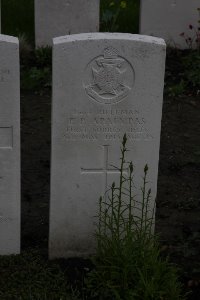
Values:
[(54, 18), (104, 85), (167, 19), (9, 146), (0, 16)]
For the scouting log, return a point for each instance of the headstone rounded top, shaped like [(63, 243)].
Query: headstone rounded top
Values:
[(8, 39), (108, 35), (110, 52)]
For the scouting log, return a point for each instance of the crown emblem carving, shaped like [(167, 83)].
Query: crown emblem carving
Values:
[(108, 75)]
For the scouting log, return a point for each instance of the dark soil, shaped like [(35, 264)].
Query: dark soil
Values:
[(35, 157), (178, 201)]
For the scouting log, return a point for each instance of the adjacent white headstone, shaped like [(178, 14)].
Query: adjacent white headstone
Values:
[(167, 19), (104, 85), (0, 16), (54, 18), (9, 146)]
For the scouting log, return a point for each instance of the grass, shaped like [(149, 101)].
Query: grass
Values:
[(182, 74), (36, 68), (31, 276)]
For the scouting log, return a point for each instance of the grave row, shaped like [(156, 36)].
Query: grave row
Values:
[(104, 85), (166, 19)]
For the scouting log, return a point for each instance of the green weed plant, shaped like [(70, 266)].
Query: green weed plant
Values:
[(36, 69), (182, 72), (128, 262), (120, 16)]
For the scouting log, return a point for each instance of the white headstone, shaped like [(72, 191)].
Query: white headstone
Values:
[(54, 18), (9, 146), (0, 16), (104, 85), (167, 19)]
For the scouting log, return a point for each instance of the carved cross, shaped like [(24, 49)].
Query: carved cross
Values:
[(104, 170)]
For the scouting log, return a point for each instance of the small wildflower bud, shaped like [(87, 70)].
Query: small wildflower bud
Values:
[(146, 169), (123, 4), (113, 185), (189, 39), (124, 140), (131, 167), (191, 26)]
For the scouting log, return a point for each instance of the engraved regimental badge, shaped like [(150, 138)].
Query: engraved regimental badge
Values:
[(109, 78)]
